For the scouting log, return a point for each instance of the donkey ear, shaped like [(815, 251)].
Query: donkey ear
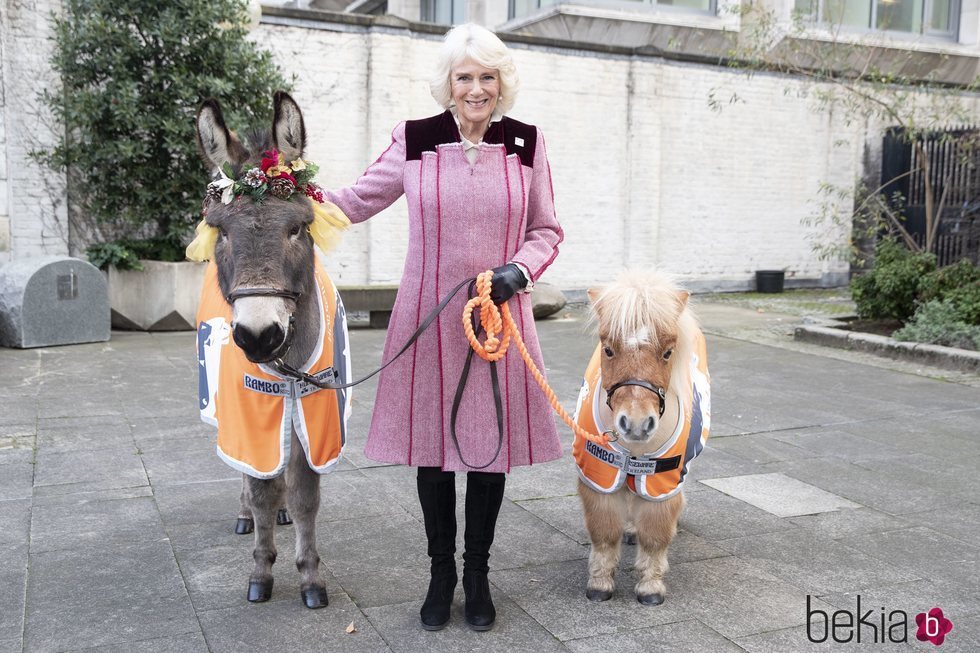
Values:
[(288, 131), (682, 297), (217, 144), (593, 294)]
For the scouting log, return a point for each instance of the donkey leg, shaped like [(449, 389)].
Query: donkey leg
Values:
[(656, 527), (604, 518), (303, 499), (245, 523), (264, 496)]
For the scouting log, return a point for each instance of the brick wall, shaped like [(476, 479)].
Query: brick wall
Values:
[(33, 213), (646, 172)]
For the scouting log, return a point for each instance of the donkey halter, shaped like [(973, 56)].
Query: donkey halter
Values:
[(655, 389)]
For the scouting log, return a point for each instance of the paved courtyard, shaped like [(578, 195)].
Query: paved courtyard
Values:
[(116, 515)]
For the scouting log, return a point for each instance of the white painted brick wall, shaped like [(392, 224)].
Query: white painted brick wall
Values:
[(33, 198), (645, 172)]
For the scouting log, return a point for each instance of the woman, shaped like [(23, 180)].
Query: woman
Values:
[(479, 197)]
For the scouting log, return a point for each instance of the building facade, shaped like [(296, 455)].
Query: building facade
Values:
[(648, 170)]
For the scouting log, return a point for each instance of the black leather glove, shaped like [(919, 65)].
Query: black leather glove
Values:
[(507, 280)]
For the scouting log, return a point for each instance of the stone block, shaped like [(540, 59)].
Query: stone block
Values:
[(162, 296), (546, 300), (52, 300)]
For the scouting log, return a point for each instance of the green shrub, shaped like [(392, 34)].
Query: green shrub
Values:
[(966, 300), (133, 74), (938, 322), (890, 289), (938, 283)]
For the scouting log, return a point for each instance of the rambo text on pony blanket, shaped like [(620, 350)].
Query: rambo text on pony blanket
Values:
[(648, 384), (267, 303)]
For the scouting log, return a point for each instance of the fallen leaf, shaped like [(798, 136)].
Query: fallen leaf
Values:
[(350, 628)]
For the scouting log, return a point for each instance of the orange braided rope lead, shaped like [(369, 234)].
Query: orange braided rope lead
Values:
[(498, 320)]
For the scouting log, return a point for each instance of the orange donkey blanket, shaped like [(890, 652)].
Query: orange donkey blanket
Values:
[(655, 476), (254, 408)]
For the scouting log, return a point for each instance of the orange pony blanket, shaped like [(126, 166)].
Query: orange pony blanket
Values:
[(254, 408), (656, 476)]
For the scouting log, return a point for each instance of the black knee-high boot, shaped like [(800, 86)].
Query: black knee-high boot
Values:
[(437, 495), (484, 494)]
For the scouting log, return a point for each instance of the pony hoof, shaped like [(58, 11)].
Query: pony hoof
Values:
[(259, 591), (282, 517), (629, 538), (650, 599), (598, 595), (315, 597), (244, 526)]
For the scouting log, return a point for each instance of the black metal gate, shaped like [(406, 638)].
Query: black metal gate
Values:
[(954, 160)]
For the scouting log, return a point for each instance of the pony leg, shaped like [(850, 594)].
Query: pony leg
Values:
[(604, 518), (303, 499), (245, 523), (656, 527), (264, 496)]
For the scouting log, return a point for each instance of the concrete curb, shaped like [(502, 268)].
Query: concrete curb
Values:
[(947, 358)]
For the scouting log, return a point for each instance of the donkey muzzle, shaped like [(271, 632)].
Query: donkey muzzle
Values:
[(263, 346)]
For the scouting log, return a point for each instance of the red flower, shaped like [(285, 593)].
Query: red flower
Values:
[(270, 159), (933, 626)]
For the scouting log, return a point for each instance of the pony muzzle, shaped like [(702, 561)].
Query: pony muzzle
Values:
[(636, 428)]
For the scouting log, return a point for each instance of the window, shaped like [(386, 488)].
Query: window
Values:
[(447, 12), (519, 8), (931, 17)]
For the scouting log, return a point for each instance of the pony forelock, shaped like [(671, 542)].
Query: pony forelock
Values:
[(644, 308)]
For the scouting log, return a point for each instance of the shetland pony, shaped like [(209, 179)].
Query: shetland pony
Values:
[(647, 387)]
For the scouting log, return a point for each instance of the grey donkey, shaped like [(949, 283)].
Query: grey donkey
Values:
[(267, 245)]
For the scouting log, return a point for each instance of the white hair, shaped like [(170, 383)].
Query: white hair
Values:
[(471, 41)]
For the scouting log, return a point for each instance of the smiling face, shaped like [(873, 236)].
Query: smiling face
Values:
[(475, 91)]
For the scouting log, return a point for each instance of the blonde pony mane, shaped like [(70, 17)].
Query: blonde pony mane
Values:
[(642, 307)]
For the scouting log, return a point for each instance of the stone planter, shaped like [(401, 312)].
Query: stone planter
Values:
[(160, 297)]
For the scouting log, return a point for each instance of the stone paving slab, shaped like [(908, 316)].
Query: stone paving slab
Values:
[(189, 643), (105, 595), (16, 480), (780, 495), (65, 472), (925, 552), (283, 626), (682, 637), (517, 631), (91, 520), (806, 559), (13, 580)]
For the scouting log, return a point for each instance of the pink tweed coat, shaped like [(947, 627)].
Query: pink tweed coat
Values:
[(464, 219)]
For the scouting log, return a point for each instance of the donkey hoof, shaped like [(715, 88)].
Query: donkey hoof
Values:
[(283, 518), (259, 591), (244, 526), (598, 595), (650, 599), (315, 597), (629, 538)]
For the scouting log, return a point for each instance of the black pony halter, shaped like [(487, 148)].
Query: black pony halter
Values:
[(655, 389)]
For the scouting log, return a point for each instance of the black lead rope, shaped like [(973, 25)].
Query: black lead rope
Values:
[(288, 370), (458, 400)]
